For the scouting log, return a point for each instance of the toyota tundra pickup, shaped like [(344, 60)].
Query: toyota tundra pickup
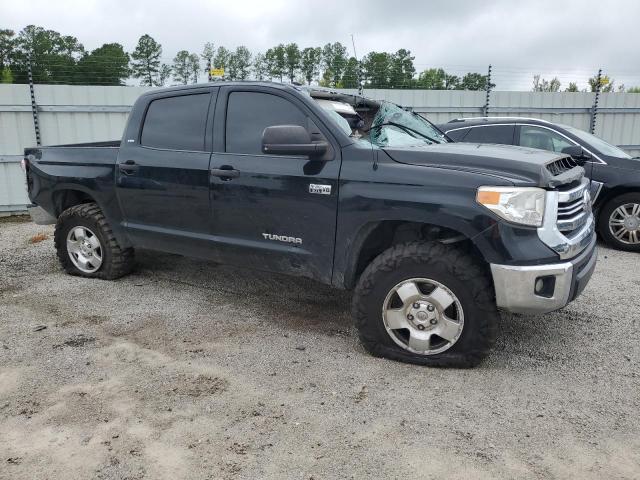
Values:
[(432, 237)]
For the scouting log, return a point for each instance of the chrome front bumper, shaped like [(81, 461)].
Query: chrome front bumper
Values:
[(516, 285)]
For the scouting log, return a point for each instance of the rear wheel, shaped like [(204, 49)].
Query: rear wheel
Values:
[(86, 246), (619, 222), (426, 303)]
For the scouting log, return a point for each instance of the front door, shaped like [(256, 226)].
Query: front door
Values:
[(271, 212), (162, 176)]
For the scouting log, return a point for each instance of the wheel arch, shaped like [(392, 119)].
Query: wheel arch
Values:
[(374, 238)]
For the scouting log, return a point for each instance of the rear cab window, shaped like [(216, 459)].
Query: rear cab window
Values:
[(176, 123)]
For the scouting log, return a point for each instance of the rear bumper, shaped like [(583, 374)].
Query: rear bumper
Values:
[(40, 216), (561, 283)]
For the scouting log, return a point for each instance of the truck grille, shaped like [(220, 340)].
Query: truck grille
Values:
[(574, 208), (560, 166)]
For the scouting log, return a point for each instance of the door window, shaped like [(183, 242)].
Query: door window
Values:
[(457, 135), (249, 113), (176, 123), (536, 137), (500, 134)]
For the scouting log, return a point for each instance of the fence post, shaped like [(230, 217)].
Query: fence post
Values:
[(594, 108), (208, 69), (487, 102), (34, 105)]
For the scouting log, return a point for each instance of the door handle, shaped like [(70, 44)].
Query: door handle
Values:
[(128, 168), (225, 172)]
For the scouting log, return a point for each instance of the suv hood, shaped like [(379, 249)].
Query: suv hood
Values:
[(518, 164)]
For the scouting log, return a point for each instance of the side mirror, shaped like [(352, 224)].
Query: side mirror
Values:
[(291, 140), (578, 153)]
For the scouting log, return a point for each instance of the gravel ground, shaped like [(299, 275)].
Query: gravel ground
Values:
[(186, 369)]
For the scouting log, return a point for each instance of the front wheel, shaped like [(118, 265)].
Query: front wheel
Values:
[(619, 222), (426, 303)]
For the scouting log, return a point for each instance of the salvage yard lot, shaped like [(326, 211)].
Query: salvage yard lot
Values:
[(187, 369)]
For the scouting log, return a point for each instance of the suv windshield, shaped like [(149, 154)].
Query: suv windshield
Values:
[(393, 126), (597, 143)]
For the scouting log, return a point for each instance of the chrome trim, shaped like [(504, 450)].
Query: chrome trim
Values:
[(515, 284), (550, 233), (530, 125), (597, 187)]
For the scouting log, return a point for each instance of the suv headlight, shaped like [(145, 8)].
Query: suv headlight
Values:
[(523, 205)]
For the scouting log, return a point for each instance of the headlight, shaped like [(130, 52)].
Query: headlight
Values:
[(523, 205)]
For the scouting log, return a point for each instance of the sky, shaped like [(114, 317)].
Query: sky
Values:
[(569, 39)]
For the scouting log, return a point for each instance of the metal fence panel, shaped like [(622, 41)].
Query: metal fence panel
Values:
[(70, 114)]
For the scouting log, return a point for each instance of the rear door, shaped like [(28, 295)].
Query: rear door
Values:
[(278, 212), (502, 134), (163, 174)]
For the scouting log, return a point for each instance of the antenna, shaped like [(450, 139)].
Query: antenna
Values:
[(360, 84)]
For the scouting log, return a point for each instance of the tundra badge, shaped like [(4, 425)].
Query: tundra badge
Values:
[(282, 238), (320, 189)]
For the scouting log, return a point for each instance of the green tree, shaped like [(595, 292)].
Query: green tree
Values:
[(606, 83), (543, 85), (54, 57), (181, 68), (334, 57), (292, 60), (633, 90), (146, 61), (401, 69), (432, 79), (208, 52), (6, 76), (474, 81), (239, 63), (276, 59), (221, 59), (573, 87), (106, 65), (259, 67), (164, 74), (186, 67), (310, 60), (376, 69), (7, 47), (351, 75)]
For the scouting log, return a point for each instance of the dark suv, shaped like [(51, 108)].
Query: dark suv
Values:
[(615, 175)]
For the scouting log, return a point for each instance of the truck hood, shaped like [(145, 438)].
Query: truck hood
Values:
[(526, 166)]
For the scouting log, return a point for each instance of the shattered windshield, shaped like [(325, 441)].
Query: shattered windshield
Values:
[(393, 126)]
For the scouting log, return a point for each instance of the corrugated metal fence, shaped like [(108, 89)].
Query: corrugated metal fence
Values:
[(69, 114)]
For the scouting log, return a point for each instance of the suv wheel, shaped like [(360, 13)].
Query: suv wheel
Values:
[(619, 222), (86, 245), (426, 303)]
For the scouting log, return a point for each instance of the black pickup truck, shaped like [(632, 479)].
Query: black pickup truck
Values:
[(432, 236)]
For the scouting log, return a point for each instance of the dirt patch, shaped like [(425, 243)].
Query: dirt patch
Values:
[(39, 237), (76, 341), (198, 385)]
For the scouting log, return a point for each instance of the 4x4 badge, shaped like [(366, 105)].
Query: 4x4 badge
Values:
[(320, 189)]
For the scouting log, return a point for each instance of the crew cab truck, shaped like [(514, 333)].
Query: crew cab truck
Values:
[(432, 237)]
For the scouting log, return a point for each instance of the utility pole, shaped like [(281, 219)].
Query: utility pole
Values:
[(594, 109), (488, 89), (34, 105)]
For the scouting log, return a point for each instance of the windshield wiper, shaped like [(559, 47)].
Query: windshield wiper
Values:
[(406, 129)]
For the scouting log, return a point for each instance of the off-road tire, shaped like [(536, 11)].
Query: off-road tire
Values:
[(603, 221), (117, 261), (459, 270)]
